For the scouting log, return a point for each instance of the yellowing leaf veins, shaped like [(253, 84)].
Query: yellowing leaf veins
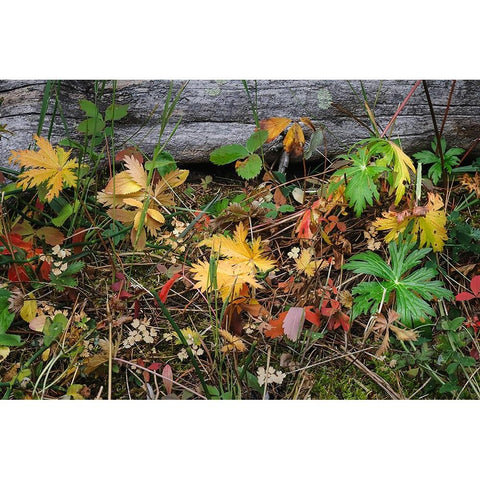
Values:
[(50, 166)]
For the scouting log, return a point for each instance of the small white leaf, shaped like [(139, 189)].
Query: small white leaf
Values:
[(298, 194)]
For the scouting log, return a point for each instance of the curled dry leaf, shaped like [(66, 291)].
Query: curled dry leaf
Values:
[(294, 140)]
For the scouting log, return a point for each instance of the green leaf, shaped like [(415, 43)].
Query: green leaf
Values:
[(164, 163), (89, 108), (412, 292), (9, 340), (6, 317), (361, 177), (272, 209), (115, 112), (53, 328), (452, 325), (315, 141), (228, 154), (91, 126), (250, 167), (65, 213), (252, 380), (286, 208), (257, 140)]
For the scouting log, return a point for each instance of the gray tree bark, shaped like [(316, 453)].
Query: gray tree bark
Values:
[(214, 113)]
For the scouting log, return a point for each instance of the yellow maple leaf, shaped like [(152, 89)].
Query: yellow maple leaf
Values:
[(50, 166), (430, 228), (240, 251), (229, 277), (305, 264), (232, 342)]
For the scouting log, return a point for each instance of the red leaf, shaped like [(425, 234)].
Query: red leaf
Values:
[(16, 273), (78, 237), (464, 296), (475, 285), (339, 319), (303, 229), (44, 271), (163, 293), (312, 314), (167, 375), (154, 366), (136, 305)]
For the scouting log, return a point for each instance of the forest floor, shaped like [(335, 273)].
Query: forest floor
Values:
[(357, 279)]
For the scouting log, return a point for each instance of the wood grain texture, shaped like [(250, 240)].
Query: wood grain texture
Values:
[(216, 113)]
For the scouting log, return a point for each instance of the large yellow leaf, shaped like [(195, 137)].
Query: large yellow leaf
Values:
[(274, 126), (401, 175), (429, 226), (229, 277), (240, 251), (50, 166)]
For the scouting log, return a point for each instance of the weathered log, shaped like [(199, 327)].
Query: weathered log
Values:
[(215, 113)]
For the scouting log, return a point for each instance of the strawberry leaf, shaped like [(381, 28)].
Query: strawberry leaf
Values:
[(250, 167), (256, 140), (228, 154)]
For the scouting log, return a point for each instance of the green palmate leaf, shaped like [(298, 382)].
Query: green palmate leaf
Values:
[(250, 167), (89, 108), (256, 140), (450, 159), (228, 154), (361, 180), (411, 291), (115, 112)]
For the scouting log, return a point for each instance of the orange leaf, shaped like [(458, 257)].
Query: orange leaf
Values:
[(276, 325), (294, 140), (312, 314), (274, 126), (44, 271)]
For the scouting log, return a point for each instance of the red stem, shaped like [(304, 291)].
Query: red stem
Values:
[(400, 108)]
